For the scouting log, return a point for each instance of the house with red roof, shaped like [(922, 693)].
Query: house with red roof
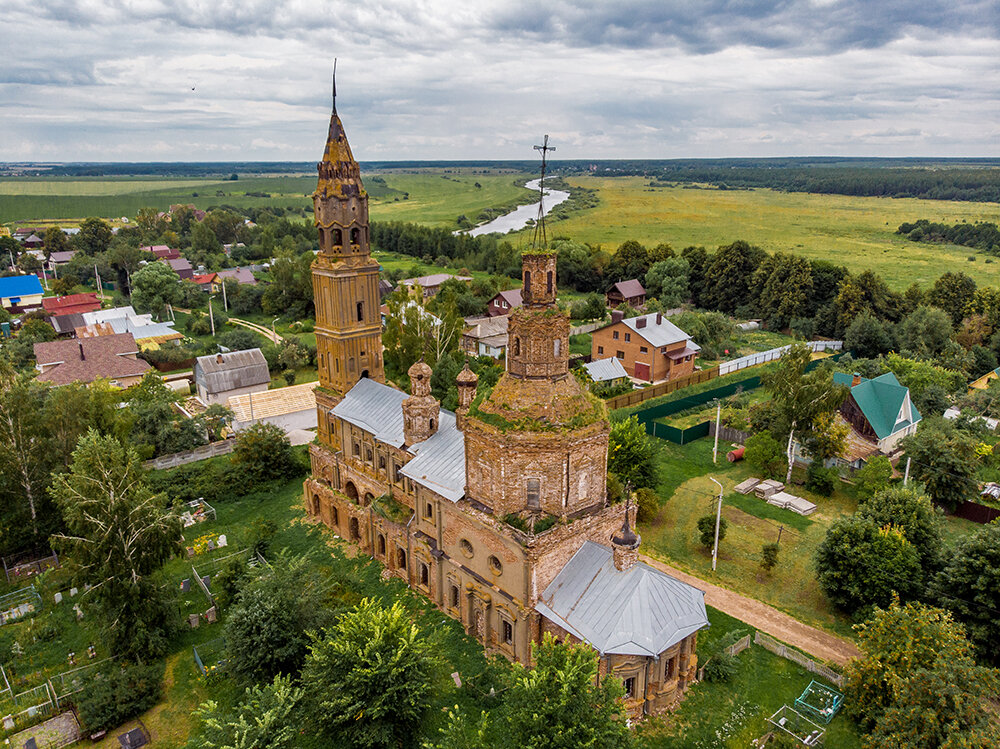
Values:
[(71, 303), (162, 251), (207, 281)]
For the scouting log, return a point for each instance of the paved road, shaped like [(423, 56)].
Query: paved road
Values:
[(768, 619)]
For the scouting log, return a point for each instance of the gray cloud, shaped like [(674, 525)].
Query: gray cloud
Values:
[(427, 79)]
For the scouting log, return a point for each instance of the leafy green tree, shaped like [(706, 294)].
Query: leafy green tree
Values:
[(872, 477), (925, 332), (953, 292), (799, 397), (698, 261), (729, 278), (290, 292), (898, 644), (266, 718), (118, 693), (706, 530), (647, 504), (769, 556), (240, 339), (94, 237), (205, 247), (154, 286), (156, 425), (943, 460), (820, 479), (784, 284), (370, 678), (267, 629), (262, 452), (55, 241), (868, 337), (20, 351), (969, 586), (29, 263), (764, 454), (119, 536), (860, 564), (918, 376), (631, 454), (911, 512), (667, 280)]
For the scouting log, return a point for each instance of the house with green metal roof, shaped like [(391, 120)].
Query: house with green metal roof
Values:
[(879, 409)]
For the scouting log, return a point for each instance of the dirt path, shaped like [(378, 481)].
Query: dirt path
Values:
[(266, 332), (768, 619)]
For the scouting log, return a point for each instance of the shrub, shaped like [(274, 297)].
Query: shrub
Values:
[(647, 503), (263, 452), (706, 530), (769, 557), (119, 695), (721, 667), (764, 455), (821, 480)]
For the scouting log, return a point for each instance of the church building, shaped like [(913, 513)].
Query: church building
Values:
[(498, 513)]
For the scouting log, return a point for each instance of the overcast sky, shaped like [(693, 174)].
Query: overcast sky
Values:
[(224, 80)]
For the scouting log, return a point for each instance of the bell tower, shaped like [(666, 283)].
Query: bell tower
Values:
[(344, 275)]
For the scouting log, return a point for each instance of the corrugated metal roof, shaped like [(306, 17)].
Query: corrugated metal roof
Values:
[(270, 403), (141, 331), (639, 611), (603, 370), (15, 286), (233, 370), (630, 289), (376, 408), (884, 402), (663, 333), (440, 461)]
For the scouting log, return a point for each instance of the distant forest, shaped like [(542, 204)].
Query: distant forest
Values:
[(933, 179)]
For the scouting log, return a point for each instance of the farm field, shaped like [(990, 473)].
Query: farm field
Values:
[(433, 198), (855, 231)]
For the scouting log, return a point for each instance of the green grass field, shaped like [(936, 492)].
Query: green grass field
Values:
[(855, 231)]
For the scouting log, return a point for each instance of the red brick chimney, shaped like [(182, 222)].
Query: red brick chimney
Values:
[(856, 380), (82, 356), (617, 316)]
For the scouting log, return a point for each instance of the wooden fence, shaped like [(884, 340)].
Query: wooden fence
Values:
[(977, 513), (728, 434), (654, 391), (778, 648), (739, 646), (211, 450)]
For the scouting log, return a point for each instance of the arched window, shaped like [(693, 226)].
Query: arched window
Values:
[(548, 282), (350, 364), (401, 558), (517, 346), (432, 424), (355, 236), (533, 493), (361, 311), (425, 575), (556, 346), (355, 529), (527, 282), (338, 238)]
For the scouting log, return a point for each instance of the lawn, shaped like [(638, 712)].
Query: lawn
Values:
[(734, 713), (858, 232)]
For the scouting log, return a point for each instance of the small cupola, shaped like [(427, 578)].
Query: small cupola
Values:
[(467, 382), (625, 543), (421, 411)]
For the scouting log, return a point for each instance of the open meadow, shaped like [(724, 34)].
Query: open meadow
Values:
[(858, 232)]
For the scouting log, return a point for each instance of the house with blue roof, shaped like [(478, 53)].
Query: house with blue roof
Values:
[(21, 293), (879, 412)]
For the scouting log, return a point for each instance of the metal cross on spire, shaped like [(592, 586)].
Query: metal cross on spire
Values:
[(334, 85), (540, 221)]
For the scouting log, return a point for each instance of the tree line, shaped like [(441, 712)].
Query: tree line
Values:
[(981, 235)]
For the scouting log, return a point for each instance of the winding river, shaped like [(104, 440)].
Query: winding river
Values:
[(519, 218)]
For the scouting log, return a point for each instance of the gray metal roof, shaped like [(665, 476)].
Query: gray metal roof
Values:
[(640, 611), (603, 370), (439, 464), (141, 332), (376, 408), (219, 373), (439, 461), (663, 333)]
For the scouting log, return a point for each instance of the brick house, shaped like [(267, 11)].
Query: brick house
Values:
[(650, 347), (629, 292), (498, 512), (504, 302)]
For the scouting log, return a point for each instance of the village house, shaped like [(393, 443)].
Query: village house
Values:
[(208, 282), (609, 372), (181, 266), (218, 377), (240, 275), (630, 292), (112, 358), (21, 293), (430, 285), (485, 336), (504, 302), (879, 412), (72, 303), (498, 513), (290, 408), (650, 347), (57, 259), (162, 251)]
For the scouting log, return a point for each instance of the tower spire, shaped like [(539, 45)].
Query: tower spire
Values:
[(335, 85), (539, 241)]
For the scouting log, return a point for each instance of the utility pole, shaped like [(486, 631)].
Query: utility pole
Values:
[(100, 291), (718, 517), (211, 316), (780, 529), (718, 415), (225, 302), (906, 475)]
